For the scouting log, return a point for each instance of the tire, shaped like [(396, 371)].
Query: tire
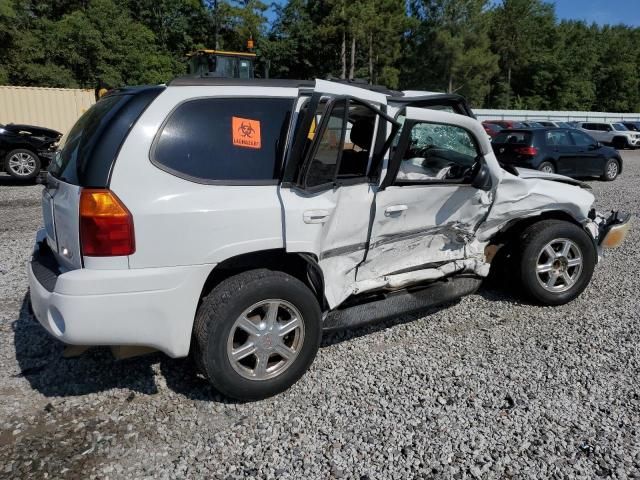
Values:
[(620, 143), (251, 295), (611, 170), (547, 167), (556, 234), (22, 164)]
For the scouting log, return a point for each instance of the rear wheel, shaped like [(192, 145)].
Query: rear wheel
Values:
[(256, 334), (547, 167), (611, 170), (556, 263), (22, 164)]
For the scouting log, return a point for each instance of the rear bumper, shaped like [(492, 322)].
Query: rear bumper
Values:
[(152, 307)]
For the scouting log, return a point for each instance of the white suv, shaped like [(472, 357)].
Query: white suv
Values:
[(615, 134), (236, 220)]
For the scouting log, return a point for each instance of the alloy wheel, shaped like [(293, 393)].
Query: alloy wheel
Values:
[(559, 265), (266, 339), (22, 164)]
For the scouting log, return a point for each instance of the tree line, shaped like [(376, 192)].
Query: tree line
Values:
[(503, 54)]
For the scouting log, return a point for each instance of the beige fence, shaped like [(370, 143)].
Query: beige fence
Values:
[(56, 108)]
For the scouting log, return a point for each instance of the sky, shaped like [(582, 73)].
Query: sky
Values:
[(600, 11)]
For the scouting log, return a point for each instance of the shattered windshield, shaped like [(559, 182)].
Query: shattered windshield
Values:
[(425, 135)]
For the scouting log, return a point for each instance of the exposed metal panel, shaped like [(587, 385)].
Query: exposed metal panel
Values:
[(56, 108)]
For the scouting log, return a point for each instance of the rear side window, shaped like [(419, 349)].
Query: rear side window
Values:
[(558, 138), (582, 139), (519, 138), (225, 140), (88, 151)]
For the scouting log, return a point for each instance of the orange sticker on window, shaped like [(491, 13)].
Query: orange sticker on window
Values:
[(245, 132)]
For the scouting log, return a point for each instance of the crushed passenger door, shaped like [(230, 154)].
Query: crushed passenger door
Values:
[(438, 189)]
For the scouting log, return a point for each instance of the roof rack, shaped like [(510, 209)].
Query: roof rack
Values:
[(188, 81), (363, 83)]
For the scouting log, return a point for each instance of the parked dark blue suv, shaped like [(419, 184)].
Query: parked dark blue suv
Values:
[(557, 150)]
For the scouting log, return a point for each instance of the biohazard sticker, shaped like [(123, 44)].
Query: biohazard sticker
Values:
[(245, 132)]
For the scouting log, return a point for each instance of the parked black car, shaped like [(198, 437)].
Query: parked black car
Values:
[(565, 151), (26, 149)]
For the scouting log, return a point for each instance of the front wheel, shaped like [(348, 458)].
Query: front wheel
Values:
[(256, 334), (22, 164), (611, 170), (556, 263), (620, 143)]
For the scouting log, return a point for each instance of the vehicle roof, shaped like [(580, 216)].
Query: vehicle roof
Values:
[(395, 95)]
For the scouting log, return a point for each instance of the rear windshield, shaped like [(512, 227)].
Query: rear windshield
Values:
[(225, 140), (518, 138), (75, 146), (86, 154)]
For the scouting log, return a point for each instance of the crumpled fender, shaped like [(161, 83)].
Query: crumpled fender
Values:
[(531, 194)]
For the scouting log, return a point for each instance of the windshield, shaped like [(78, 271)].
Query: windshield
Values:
[(620, 127)]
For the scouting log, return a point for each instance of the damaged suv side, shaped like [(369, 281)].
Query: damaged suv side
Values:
[(235, 221)]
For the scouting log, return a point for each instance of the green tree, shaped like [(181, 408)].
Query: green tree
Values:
[(7, 34), (518, 29), (450, 48)]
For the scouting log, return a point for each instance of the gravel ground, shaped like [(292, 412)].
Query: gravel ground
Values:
[(486, 388)]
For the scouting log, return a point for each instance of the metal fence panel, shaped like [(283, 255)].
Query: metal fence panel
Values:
[(523, 115), (56, 108)]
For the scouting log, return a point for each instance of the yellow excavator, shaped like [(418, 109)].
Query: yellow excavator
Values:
[(221, 64)]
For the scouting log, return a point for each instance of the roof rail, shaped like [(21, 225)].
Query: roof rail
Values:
[(363, 83), (190, 81)]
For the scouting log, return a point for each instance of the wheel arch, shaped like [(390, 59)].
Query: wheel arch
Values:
[(515, 227), (303, 266), (504, 243)]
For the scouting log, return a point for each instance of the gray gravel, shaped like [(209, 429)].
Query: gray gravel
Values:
[(486, 388)]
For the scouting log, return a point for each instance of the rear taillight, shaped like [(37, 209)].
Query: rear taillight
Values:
[(106, 226), (529, 151)]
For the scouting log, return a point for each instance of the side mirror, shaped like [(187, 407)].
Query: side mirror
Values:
[(482, 178), (595, 146)]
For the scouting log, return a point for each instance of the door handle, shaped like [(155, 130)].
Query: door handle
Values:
[(393, 209), (315, 216)]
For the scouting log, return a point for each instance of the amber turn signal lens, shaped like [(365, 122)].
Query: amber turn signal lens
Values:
[(615, 236)]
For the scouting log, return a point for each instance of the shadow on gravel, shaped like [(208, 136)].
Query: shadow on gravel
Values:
[(41, 362), (339, 336)]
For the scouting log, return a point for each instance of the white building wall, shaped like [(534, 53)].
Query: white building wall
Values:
[(56, 108)]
